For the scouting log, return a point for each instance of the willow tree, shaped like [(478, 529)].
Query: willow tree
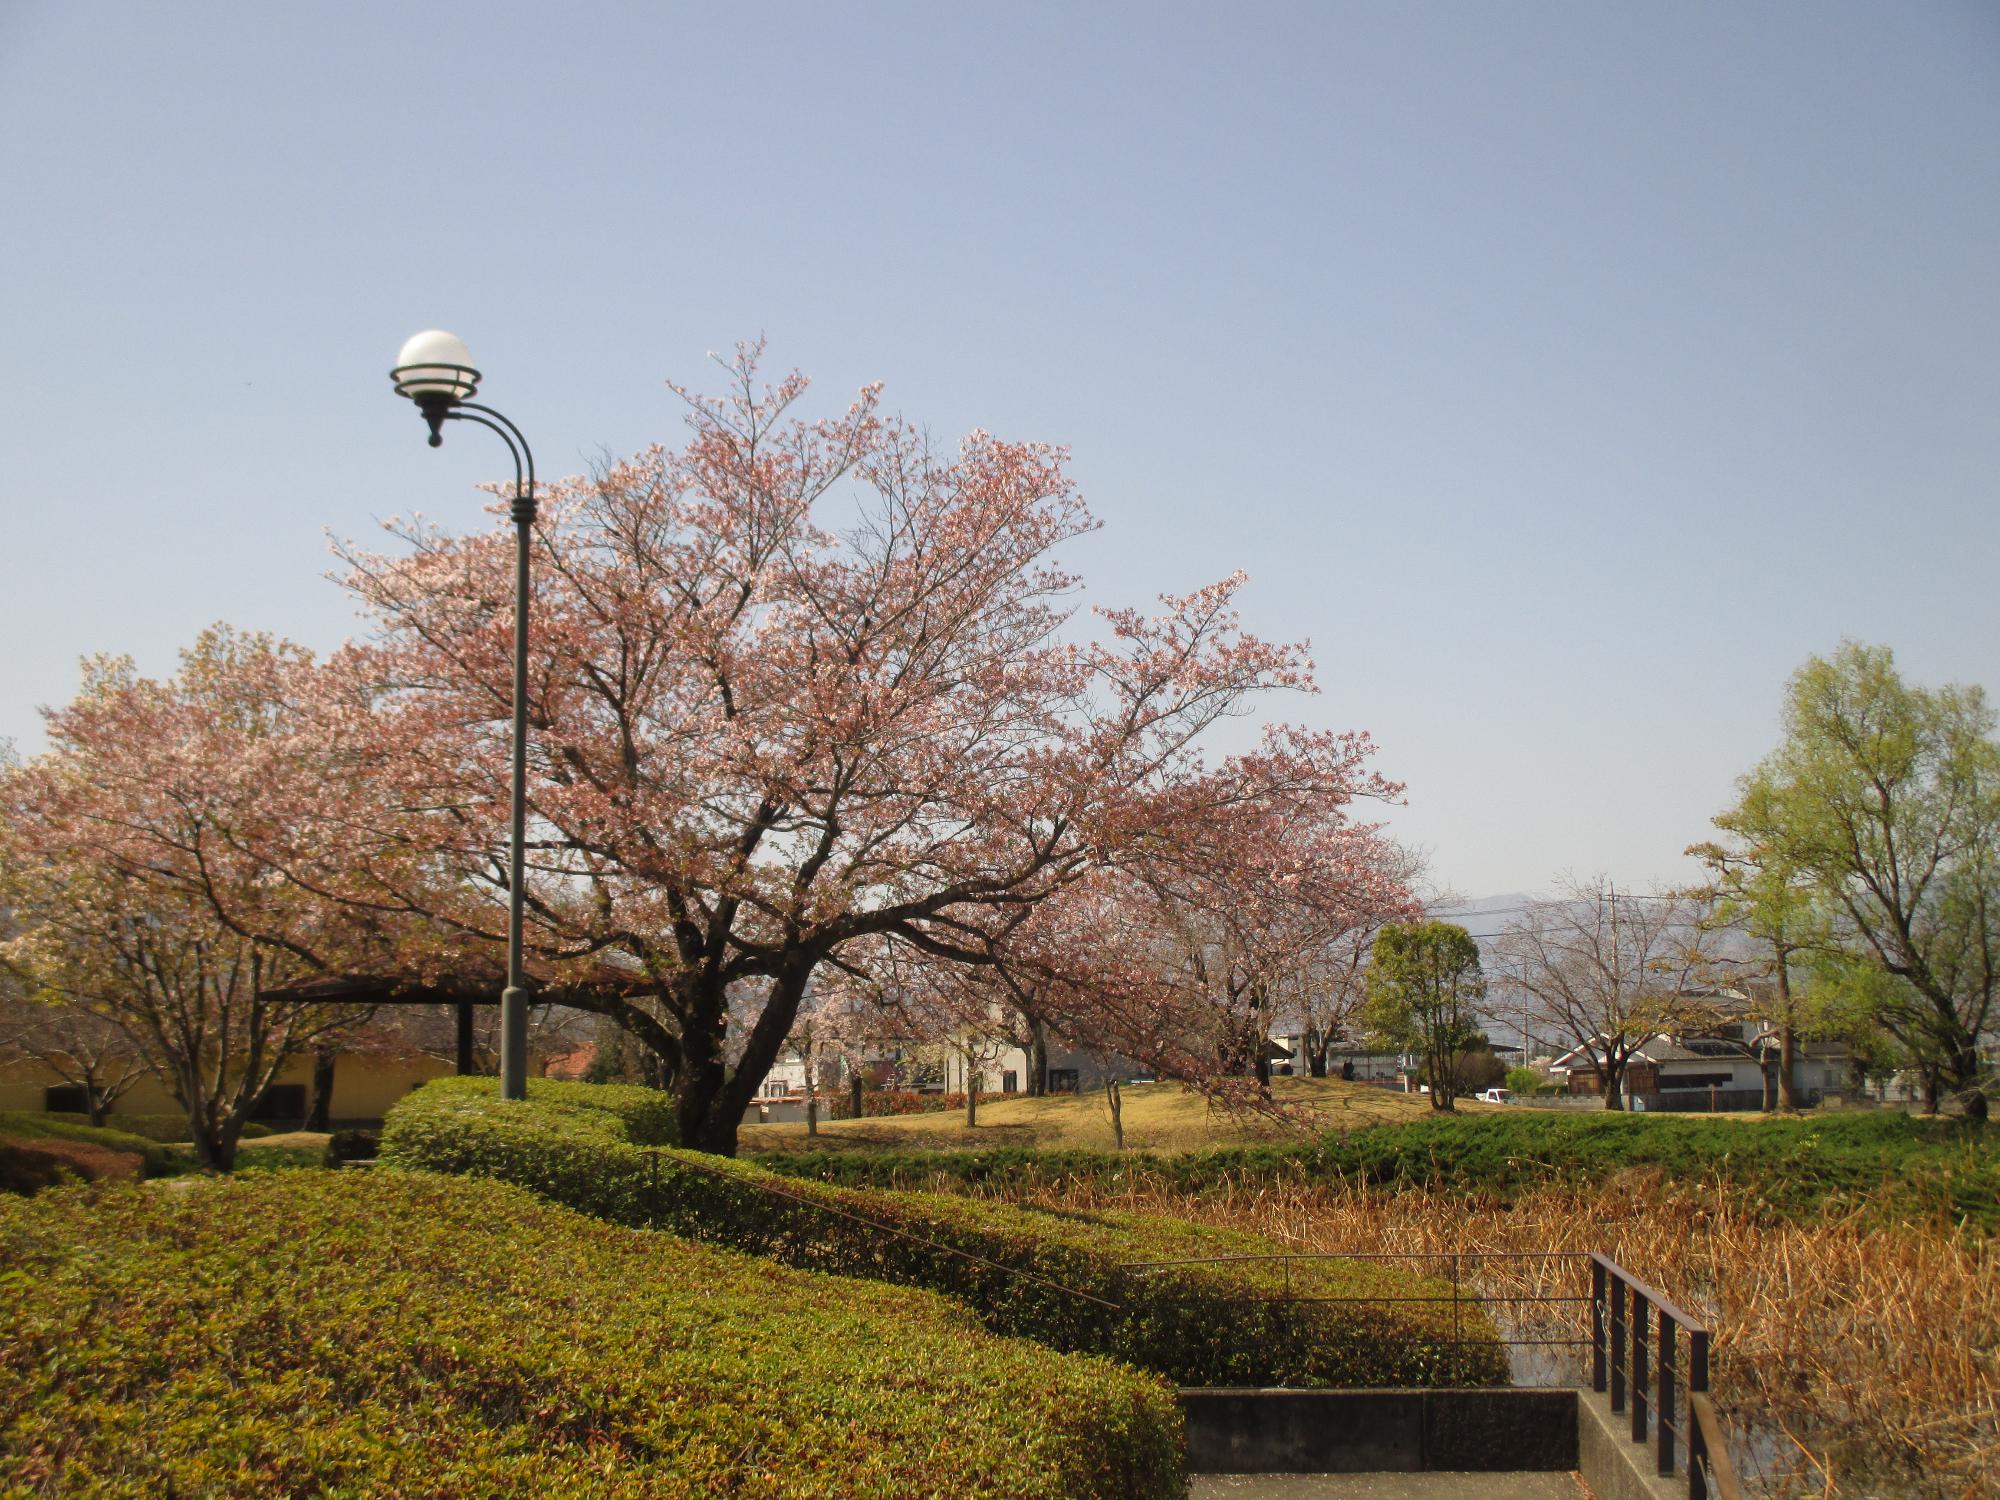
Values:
[(1886, 796)]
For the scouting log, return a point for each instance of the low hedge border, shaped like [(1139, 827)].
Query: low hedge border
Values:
[(155, 1159), (1889, 1165), (1068, 1280), (395, 1334)]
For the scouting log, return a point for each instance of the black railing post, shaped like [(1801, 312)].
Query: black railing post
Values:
[(1664, 1401), (1617, 1342), (1597, 1328), (1640, 1308), (1697, 1439)]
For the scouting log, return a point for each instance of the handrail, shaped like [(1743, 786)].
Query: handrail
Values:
[(1709, 1456), (1620, 1346)]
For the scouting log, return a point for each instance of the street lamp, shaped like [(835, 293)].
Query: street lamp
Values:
[(434, 369)]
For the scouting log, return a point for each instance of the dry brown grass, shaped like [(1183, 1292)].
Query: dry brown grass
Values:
[(1851, 1361)]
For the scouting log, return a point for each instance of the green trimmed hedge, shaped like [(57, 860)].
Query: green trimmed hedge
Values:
[(353, 1334), (1888, 1164), (168, 1129), (1071, 1280), (156, 1160)]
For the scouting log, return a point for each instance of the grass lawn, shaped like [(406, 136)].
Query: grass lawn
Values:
[(1161, 1117)]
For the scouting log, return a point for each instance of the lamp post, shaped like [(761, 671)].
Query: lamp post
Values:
[(434, 369)]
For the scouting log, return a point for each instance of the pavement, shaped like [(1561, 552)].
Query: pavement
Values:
[(1386, 1487)]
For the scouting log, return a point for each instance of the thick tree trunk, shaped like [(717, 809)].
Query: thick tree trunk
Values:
[(1614, 1088), (972, 1081), (1316, 1050), (1114, 1097), (93, 1103), (711, 1097), (854, 1085), (215, 1146), (1038, 1058), (1788, 1069), (319, 1113)]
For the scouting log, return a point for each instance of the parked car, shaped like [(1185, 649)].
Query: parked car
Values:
[(1497, 1096)]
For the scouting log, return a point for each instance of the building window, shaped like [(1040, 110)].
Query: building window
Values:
[(281, 1101), (1698, 1081), (66, 1099), (1062, 1080), (775, 1090), (1010, 1082)]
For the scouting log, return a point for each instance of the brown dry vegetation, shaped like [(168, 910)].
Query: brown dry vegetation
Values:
[(1851, 1360)]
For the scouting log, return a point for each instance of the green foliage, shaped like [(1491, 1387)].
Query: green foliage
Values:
[(1886, 1165), (1068, 1280), (347, 1334), (1423, 988), (167, 1129), (1883, 803), (1523, 1080), (156, 1159)]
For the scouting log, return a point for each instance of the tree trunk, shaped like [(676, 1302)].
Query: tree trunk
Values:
[(1316, 1050), (215, 1146), (1788, 1039), (712, 1098), (1768, 1072), (1038, 1058), (1115, 1099), (854, 1085), (319, 1113), (93, 1103), (1929, 1073), (971, 1099), (1614, 1088), (812, 1113)]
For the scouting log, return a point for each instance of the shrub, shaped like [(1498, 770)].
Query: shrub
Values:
[(154, 1159), (345, 1146), (1888, 1165), (1074, 1281), (399, 1334), (876, 1102), (167, 1129)]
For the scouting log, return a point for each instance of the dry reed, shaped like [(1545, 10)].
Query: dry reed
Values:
[(1851, 1359)]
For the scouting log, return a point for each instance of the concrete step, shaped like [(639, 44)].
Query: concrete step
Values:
[(1386, 1487)]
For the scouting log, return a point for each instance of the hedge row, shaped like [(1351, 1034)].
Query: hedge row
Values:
[(346, 1335), (169, 1129), (1071, 1280), (1890, 1163), (154, 1159), (877, 1103)]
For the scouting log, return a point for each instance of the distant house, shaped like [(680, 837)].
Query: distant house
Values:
[(1673, 1073)]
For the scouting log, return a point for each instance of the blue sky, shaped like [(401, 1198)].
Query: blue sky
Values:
[(1567, 373)]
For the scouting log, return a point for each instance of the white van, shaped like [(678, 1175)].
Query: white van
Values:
[(1497, 1096)]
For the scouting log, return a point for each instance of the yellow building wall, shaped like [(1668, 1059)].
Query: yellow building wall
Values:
[(364, 1085)]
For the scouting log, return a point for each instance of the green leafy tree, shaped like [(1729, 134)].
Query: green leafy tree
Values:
[(1886, 798), (1423, 988), (1523, 1080), (1762, 894)]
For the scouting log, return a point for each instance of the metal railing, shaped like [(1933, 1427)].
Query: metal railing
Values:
[(1635, 1339), (1635, 1334), (1457, 1268)]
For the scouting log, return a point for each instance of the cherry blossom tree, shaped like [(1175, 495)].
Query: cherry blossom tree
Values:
[(797, 685), (137, 856)]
